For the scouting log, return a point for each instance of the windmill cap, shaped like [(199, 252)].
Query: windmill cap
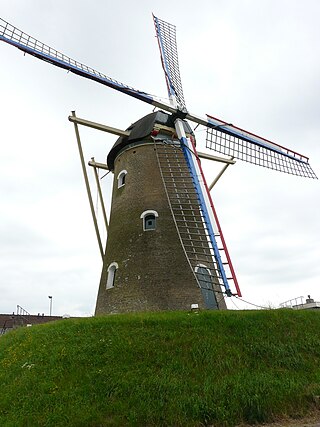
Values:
[(140, 130)]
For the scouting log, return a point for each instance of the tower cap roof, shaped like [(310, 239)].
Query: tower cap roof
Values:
[(140, 130)]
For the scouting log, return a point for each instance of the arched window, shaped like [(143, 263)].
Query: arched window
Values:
[(112, 269), (149, 220), (122, 178), (205, 281)]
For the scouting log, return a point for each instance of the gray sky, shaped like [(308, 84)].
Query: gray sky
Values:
[(253, 63)]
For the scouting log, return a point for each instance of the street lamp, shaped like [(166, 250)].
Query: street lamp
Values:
[(50, 298)]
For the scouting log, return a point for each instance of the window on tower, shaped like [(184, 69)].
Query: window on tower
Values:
[(112, 269), (149, 220), (122, 178)]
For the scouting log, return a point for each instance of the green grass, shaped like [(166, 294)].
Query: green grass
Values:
[(165, 369)]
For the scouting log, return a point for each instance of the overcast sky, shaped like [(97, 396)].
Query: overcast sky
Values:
[(253, 63)]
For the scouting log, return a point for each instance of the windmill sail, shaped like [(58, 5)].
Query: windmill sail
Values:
[(243, 145), (166, 35), (32, 46), (215, 235)]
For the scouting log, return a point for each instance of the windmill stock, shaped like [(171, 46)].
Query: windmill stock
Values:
[(161, 206)]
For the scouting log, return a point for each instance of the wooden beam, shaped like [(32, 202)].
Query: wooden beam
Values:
[(99, 126)]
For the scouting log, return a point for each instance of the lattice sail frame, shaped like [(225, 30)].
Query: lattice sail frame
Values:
[(28, 44), (256, 150), (166, 35)]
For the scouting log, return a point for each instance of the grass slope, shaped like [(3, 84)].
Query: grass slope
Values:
[(165, 369)]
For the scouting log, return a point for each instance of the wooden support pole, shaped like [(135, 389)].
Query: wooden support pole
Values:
[(216, 158), (94, 164), (85, 175), (99, 126), (98, 165), (220, 174)]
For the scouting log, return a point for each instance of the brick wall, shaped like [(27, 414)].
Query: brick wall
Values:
[(153, 272)]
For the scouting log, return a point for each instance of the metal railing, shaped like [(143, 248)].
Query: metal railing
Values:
[(292, 302)]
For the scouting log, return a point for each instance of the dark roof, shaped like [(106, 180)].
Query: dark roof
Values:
[(8, 321), (140, 130)]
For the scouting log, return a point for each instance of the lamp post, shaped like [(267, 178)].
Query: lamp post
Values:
[(50, 310)]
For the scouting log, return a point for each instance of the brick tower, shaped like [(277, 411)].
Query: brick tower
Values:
[(146, 265)]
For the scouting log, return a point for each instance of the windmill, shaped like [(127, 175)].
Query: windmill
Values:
[(165, 247)]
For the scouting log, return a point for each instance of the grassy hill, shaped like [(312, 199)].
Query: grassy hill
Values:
[(165, 369)]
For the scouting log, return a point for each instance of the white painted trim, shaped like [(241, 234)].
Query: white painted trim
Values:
[(120, 174), (113, 264), (202, 266), (144, 214), (155, 213)]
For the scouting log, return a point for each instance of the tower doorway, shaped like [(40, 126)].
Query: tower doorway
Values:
[(205, 280)]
